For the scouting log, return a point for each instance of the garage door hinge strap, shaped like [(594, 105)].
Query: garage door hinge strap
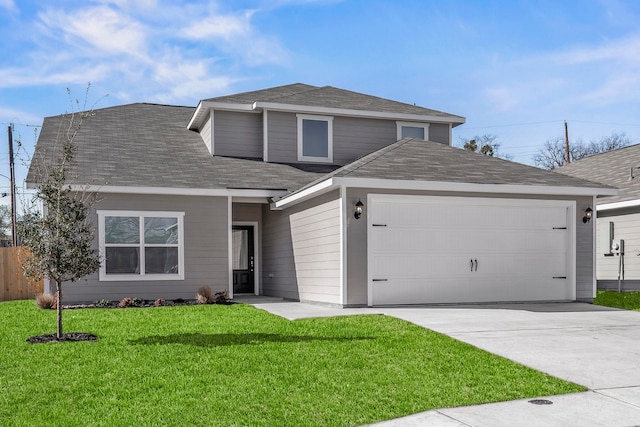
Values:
[(559, 228), (559, 277), (378, 225), (380, 280)]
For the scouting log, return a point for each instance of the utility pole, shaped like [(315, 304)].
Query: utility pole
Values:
[(566, 143), (14, 236)]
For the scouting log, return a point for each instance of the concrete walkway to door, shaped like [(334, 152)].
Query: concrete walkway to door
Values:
[(597, 347)]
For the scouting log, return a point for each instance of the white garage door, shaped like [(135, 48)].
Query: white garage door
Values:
[(449, 249)]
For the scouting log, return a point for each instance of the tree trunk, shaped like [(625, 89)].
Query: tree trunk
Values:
[(59, 310)]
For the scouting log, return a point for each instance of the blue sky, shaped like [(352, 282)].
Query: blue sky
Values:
[(514, 69)]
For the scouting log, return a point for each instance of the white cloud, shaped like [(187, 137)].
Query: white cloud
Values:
[(226, 27), (101, 28), (8, 4), (149, 50)]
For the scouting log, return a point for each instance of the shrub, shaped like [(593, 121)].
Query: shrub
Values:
[(103, 303), (159, 302), (204, 295), (221, 297), (47, 301), (126, 302)]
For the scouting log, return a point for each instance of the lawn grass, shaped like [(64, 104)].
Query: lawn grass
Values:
[(625, 300), (234, 365)]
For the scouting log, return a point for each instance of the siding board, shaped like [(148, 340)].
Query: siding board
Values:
[(205, 246), (302, 251), (237, 134)]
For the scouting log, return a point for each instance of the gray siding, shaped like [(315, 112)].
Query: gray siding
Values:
[(626, 227), (237, 134), (283, 139), (356, 137), (205, 246), (584, 252), (439, 132), (356, 251), (301, 250), (205, 134), (353, 137)]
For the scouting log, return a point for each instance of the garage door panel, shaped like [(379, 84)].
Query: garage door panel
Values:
[(442, 250)]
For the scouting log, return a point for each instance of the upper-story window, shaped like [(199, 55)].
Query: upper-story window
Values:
[(413, 130), (315, 138)]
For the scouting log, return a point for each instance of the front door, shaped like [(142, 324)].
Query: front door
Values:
[(243, 261)]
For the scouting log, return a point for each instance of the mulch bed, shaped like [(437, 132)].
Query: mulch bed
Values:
[(69, 336)]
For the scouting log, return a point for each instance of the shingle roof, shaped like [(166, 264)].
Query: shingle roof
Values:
[(329, 97), (148, 145), (418, 160), (611, 168), (263, 94)]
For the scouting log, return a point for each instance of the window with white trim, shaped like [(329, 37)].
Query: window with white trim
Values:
[(315, 138), (141, 245), (413, 130)]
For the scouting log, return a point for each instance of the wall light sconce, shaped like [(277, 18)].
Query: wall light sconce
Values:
[(358, 213), (588, 213)]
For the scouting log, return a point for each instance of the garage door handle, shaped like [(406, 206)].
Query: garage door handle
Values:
[(380, 280), (471, 261), (475, 261), (559, 277)]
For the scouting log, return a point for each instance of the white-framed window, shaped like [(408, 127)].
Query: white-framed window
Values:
[(141, 245), (315, 138), (413, 130)]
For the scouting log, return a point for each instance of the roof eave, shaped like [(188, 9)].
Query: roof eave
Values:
[(456, 120), (200, 115), (408, 185)]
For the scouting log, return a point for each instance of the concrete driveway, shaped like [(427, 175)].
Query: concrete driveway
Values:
[(597, 347)]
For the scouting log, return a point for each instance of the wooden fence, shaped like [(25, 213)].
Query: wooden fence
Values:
[(13, 284)]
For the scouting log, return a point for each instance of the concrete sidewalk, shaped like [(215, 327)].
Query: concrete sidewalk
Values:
[(597, 347)]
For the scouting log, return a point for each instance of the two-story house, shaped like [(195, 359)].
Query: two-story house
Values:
[(320, 194)]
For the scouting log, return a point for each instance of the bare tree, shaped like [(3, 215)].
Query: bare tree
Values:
[(60, 242), (5, 222), (553, 154), (484, 144)]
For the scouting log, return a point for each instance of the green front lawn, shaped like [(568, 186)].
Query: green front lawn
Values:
[(235, 365), (625, 300)]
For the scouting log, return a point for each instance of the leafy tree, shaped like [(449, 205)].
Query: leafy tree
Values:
[(553, 152), (484, 144), (5, 222), (60, 241)]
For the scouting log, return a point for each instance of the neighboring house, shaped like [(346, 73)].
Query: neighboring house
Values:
[(618, 216), (324, 195)]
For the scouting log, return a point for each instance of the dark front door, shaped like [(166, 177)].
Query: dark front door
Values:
[(243, 262)]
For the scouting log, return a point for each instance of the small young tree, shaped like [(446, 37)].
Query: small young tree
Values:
[(59, 241)]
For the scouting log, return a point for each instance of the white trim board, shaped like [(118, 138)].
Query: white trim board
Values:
[(387, 184), (176, 191)]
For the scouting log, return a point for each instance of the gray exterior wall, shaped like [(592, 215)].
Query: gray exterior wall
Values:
[(205, 134), (626, 224), (353, 137), (439, 132), (301, 251), (205, 245), (237, 134), (356, 251)]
